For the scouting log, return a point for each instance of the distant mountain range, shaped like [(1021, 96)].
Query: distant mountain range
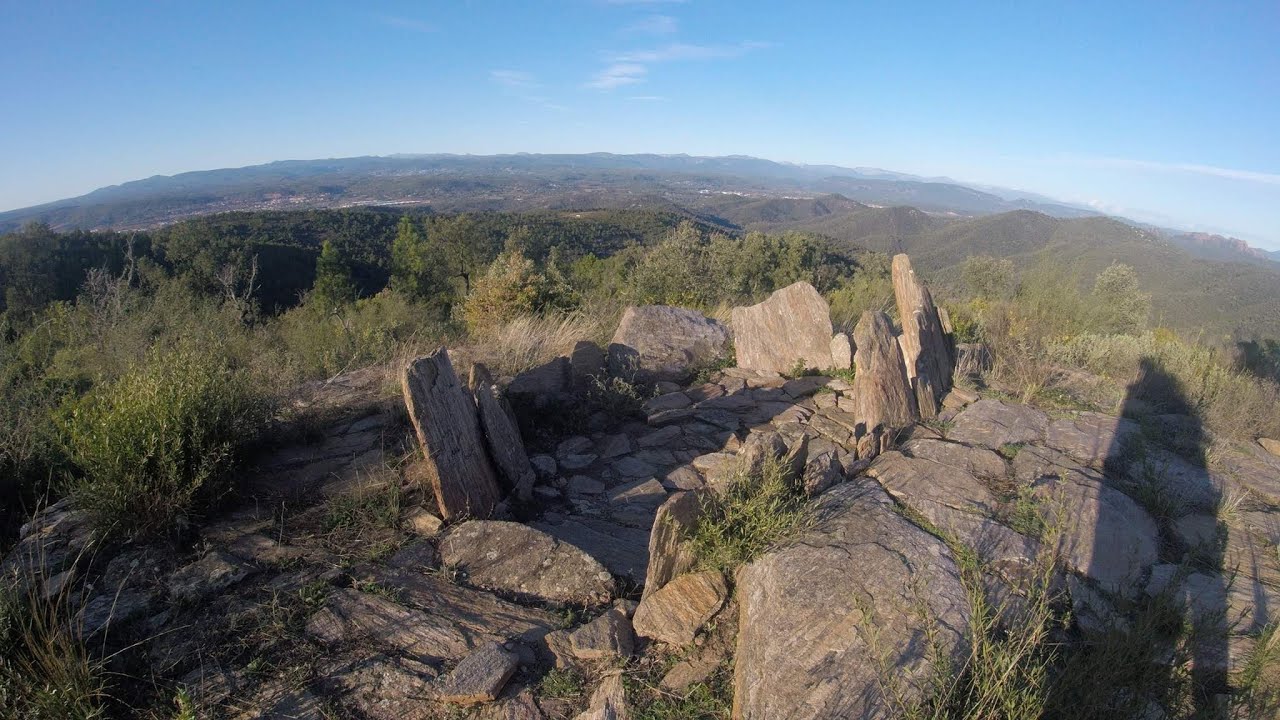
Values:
[(532, 181)]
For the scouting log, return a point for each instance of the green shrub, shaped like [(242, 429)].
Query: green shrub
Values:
[(513, 287), (753, 513), (158, 444)]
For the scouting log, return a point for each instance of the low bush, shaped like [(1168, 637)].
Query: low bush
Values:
[(159, 443)]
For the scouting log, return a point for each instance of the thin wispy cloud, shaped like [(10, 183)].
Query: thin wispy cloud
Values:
[(629, 68), (405, 23), (617, 75), (514, 79), (655, 25), (1178, 168)]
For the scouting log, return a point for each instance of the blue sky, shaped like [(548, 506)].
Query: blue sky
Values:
[(1163, 111)]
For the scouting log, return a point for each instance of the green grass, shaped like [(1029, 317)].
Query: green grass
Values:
[(562, 684), (710, 700), (46, 672), (752, 514)]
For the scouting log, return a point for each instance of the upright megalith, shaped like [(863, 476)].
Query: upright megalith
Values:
[(924, 342), (443, 413), (502, 434), (791, 327), (883, 400), (658, 342)]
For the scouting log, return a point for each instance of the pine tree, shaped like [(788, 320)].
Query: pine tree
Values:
[(333, 287)]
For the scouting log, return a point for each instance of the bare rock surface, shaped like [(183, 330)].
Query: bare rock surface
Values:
[(381, 687), (516, 558), (659, 342), (993, 424), (480, 676), (608, 636), (444, 416), (211, 574), (623, 550), (979, 462), (1091, 438), (676, 612), (819, 613), (792, 326)]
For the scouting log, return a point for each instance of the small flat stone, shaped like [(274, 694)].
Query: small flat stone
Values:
[(683, 478), (480, 676), (576, 445), (577, 462), (804, 386), (544, 465), (669, 417), (663, 437), (422, 522), (614, 445), (643, 492), (633, 467), (670, 401)]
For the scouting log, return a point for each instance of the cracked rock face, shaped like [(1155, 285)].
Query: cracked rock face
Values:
[(993, 424), (817, 613)]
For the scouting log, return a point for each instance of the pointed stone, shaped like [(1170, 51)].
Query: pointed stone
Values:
[(883, 401), (926, 351), (502, 434), (444, 417)]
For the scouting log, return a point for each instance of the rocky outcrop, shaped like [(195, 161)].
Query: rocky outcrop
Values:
[(883, 401), (518, 559), (444, 417), (925, 348), (994, 424), (657, 342), (826, 615), (793, 326)]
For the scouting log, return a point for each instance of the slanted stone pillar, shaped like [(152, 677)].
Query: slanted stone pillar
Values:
[(925, 349), (883, 400), (443, 413), (502, 434)]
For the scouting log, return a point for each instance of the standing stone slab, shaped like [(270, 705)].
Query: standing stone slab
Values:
[(793, 325), (883, 401), (925, 349), (515, 558), (657, 342), (669, 551), (502, 434), (820, 615), (444, 417)]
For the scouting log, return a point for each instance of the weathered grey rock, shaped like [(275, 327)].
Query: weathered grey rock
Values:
[(613, 446), (381, 687), (211, 574), (658, 342), (820, 615), (544, 465), (521, 707), (480, 676), (979, 462), (623, 550), (116, 606), (543, 382), (821, 471), (675, 613), (577, 462), (670, 417), (633, 467), (576, 445), (683, 478), (993, 424), (669, 551), (883, 399), (1105, 535), (1091, 438), (1271, 445), (792, 326), (925, 349), (841, 352), (641, 492), (516, 558), (608, 702), (670, 401), (608, 636), (502, 435), (444, 417), (761, 447), (586, 363), (1186, 486), (1199, 533), (580, 485)]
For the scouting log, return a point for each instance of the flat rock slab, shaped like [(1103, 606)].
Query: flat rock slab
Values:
[(432, 618), (819, 614), (211, 574), (993, 424), (623, 550), (675, 613), (382, 687), (1105, 535), (515, 558), (1091, 438), (480, 676), (979, 462), (792, 326)]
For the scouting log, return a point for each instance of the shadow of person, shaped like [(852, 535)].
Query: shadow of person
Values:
[(1164, 467)]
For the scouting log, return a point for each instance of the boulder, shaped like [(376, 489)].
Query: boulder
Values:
[(793, 326), (543, 383), (925, 349), (884, 403), (658, 342), (833, 617), (675, 613), (993, 424), (623, 550), (608, 636), (480, 676), (444, 417), (586, 364), (502, 435), (515, 558)]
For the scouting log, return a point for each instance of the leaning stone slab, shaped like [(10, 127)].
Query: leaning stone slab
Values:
[(658, 342), (792, 326), (824, 618), (924, 344), (502, 435), (608, 702), (479, 677), (675, 613), (516, 558), (669, 551), (444, 417)]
